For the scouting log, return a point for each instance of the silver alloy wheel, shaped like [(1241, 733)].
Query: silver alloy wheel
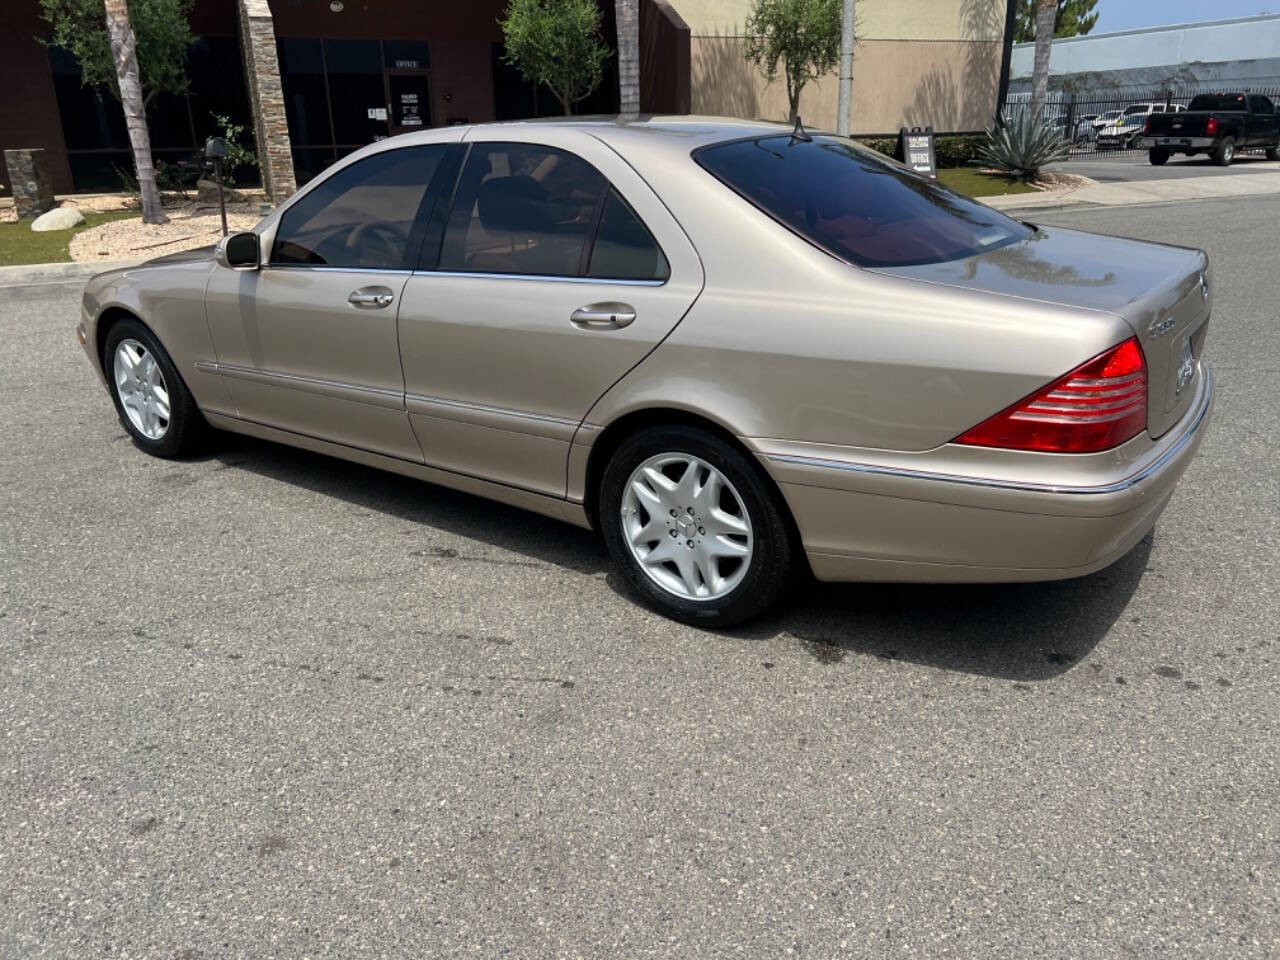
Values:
[(142, 390), (687, 526)]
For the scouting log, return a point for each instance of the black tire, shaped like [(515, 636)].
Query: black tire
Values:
[(770, 564), (1224, 152), (186, 430), (1158, 156), (1273, 153)]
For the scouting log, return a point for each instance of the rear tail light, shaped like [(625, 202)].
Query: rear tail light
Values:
[(1211, 126), (1146, 124), (1098, 405)]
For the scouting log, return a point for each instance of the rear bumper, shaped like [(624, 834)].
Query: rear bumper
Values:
[(893, 522), (1178, 143)]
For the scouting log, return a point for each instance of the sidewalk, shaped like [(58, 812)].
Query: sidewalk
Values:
[(1143, 191)]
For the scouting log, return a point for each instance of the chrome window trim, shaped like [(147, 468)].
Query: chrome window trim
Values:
[(1118, 486), (321, 268), (544, 278)]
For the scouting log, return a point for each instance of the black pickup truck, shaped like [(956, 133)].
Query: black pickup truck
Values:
[(1219, 124)]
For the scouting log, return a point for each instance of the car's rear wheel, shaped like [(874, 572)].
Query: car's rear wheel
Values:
[(1273, 153), (1158, 156), (696, 528), (151, 400), (1224, 153)]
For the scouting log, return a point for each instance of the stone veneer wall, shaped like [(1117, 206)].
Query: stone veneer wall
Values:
[(266, 98), (30, 180)]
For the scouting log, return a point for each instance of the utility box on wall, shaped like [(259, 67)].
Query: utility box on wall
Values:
[(30, 181)]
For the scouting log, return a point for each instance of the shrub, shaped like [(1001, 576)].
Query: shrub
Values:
[(1024, 145)]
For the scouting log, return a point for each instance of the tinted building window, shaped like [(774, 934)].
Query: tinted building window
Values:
[(523, 209), (306, 103), (355, 87), (624, 249), (857, 205), (362, 216)]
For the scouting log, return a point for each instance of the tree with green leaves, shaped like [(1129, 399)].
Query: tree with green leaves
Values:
[(557, 43), (798, 38), (1044, 48), (124, 55), (1074, 18), (161, 32)]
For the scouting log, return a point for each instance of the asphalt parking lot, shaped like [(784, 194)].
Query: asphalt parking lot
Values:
[(267, 704), (1107, 167)]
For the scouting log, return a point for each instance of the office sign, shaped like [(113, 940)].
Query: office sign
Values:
[(916, 150)]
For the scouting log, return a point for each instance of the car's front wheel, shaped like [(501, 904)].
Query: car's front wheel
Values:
[(696, 528), (1273, 153), (151, 400)]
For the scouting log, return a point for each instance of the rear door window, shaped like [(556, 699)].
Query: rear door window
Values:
[(856, 204), (624, 249), (365, 216)]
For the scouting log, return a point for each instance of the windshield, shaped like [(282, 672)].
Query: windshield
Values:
[(855, 203), (1137, 108), (1217, 101)]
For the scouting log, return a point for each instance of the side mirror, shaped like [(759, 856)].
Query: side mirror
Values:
[(240, 251)]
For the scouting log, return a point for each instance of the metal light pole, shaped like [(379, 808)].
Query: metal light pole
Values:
[(844, 113)]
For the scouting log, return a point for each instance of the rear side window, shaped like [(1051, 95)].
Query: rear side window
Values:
[(856, 204), (531, 210), (1217, 101), (1260, 104), (363, 216), (523, 209), (624, 249)]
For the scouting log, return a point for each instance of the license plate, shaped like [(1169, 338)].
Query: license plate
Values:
[(1186, 365)]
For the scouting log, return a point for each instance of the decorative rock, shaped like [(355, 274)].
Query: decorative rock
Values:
[(207, 192), (60, 218), (32, 185)]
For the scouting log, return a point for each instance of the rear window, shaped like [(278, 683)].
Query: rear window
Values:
[(1217, 101), (855, 204)]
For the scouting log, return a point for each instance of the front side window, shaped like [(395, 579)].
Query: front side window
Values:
[(363, 216), (856, 204)]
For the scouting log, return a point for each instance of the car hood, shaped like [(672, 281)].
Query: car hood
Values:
[(1068, 267), (182, 256)]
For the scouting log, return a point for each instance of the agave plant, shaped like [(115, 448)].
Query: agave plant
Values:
[(1024, 145)]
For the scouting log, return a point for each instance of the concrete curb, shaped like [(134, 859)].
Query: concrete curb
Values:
[(36, 273), (1143, 192)]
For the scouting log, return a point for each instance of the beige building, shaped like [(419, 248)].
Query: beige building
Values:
[(917, 62)]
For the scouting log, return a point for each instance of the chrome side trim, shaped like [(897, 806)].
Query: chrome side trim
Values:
[(475, 274), (357, 393), (412, 398), (1022, 485)]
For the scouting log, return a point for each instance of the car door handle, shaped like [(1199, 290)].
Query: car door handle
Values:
[(371, 298), (603, 316)]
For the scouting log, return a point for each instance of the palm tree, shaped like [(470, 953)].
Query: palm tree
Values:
[(124, 52), (1046, 14), (628, 16)]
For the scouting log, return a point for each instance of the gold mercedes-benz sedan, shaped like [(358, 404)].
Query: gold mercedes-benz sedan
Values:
[(734, 349)]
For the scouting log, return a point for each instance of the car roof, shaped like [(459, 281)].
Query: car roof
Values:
[(678, 134)]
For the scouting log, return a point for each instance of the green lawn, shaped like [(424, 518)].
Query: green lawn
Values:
[(20, 244), (975, 183)]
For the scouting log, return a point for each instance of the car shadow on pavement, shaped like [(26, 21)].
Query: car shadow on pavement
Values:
[(1019, 631)]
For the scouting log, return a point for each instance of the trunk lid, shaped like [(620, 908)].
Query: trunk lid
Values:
[(1163, 292)]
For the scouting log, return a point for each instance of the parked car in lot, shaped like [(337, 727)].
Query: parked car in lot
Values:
[(1219, 124), (731, 348), (1125, 131)]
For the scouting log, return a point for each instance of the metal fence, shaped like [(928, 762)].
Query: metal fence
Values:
[(1111, 122)]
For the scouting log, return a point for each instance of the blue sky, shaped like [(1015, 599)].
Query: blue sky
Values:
[(1128, 14)]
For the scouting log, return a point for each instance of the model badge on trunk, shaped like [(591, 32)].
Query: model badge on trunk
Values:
[(1158, 327)]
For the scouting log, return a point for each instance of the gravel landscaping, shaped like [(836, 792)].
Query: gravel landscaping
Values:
[(190, 225)]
